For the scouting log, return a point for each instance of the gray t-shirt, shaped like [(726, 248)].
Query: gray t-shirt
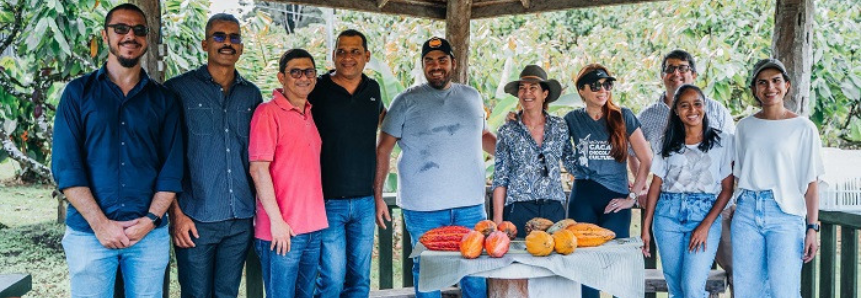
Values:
[(592, 149), (439, 133)]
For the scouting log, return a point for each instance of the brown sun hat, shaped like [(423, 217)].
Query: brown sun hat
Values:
[(535, 74)]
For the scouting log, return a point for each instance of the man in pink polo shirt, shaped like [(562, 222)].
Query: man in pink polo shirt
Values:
[(284, 150)]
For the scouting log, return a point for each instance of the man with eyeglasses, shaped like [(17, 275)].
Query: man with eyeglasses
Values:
[(347, 110), (678, 68), (284, 151), (118, 158), (441, 129), (212, 219)]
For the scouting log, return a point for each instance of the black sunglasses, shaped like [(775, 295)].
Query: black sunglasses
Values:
[(297, 73), (543, 164), (123, 29), (681, 68), (595, 86), (221, 37)]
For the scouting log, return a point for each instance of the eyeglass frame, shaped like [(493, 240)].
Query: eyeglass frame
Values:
[(297, 73), (681, 68), (136, 29), (543, 161), (220, 37)]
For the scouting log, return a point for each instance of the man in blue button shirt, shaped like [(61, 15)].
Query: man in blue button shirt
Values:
[(211, 221), (118, 158)]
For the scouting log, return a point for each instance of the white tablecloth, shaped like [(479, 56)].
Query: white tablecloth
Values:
[(616, 267)]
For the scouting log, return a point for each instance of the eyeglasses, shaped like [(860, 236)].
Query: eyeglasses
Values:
[(681, 68), (221, 37), (543, 164), (123, 29), (596, 85), (297, 73)]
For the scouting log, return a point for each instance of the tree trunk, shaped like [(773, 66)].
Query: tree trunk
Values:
[(458, 13), (151, 61), (26, 162), (792, 45)]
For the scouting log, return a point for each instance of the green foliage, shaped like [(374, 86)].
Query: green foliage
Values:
[(183, 24)]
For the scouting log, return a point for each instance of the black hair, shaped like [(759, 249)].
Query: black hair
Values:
[(681, 55), (294, 54), (124, 6), (219, 17), (352, 33), (674, 135)]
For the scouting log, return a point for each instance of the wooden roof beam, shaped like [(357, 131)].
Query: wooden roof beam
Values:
[(496, 8), (403, 7)]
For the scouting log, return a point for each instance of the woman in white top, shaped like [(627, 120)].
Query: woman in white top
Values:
[(777, 165), (691, 186)]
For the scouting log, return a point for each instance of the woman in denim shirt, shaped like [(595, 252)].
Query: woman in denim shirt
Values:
[(527, 173), (777, 165), (691, 186)]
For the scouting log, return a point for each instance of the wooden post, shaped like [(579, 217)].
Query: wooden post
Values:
[(792, 44), (150, 60), (458, 13)]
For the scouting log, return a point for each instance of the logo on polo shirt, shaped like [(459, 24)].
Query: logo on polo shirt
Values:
[(373, 99)]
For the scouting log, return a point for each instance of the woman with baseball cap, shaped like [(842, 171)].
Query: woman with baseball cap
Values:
[(527, 176), (602, 133), (777, 164)]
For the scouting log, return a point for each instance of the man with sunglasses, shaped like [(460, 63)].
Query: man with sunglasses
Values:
[(212, 219), (678, 68), (347, 110), (441, 129), (118, 158)]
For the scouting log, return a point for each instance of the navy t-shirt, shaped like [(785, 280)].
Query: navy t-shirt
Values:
[(348, 127), (592, 149)]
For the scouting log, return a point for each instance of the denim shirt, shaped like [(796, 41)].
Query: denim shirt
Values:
[(217, 185), (519, 168), (123, 147)]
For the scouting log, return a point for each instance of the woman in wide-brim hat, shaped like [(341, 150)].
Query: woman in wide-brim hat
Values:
[(602, 133), (778, 165), (529, 152)]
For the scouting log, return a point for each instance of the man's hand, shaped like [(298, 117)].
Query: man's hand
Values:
[(139, 229), (281, 233), (382, 214), (182, 228), (810, 246), (111, 235)]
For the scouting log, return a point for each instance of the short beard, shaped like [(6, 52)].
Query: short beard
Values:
[(440, 84), (126, 62)]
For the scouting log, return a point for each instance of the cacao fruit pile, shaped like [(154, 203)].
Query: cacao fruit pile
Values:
[(488, 236), (590, 235), (446, 238)]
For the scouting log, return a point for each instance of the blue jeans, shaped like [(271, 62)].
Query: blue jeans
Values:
[(293, 274), (213, 267), (676, 217), (93, 267), (419, 222), (345, 262), (768, 245)]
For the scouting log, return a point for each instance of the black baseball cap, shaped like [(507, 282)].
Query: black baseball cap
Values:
[(437, 44)]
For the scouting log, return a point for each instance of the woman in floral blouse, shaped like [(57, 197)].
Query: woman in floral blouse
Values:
[(527, 177)]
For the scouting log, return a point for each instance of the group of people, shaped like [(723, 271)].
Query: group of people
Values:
[(299, 178)]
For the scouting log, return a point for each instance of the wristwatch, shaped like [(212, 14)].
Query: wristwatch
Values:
[(813, 226), (154, 218), (633, 196)]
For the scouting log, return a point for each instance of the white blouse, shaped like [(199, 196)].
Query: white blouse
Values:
[(779, 155), (694, 171)]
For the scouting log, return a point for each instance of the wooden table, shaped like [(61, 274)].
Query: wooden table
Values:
[(15, 285)]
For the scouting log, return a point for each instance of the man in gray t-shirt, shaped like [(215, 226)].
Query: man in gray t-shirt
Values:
[(441, 130)]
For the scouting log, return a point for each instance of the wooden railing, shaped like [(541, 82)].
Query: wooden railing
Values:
[(829, 260), (847, 260)]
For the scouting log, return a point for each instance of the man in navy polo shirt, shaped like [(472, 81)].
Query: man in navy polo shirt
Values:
[(118, 158), (211, 221), (347, 111)]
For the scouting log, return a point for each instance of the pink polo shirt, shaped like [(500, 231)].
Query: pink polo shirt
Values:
[(282, 135)]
